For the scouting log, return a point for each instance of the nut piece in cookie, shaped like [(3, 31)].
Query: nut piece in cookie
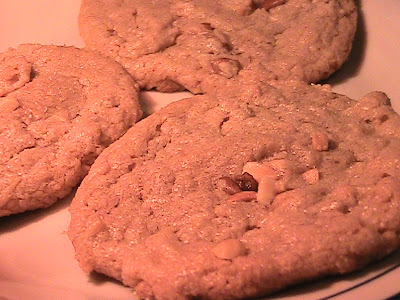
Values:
[(15, 71)]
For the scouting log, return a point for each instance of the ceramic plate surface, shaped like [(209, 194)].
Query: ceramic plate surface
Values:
[(36, 256)]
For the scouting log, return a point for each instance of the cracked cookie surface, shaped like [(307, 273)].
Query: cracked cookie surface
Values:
[(59, 108), (243, 192), (173, 45)]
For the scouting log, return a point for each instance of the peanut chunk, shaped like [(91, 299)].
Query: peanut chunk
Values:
[(243, 196), (229, 249), (311, 176), (266, 191), (15, 71), (259, 171), (94, 227), (320, 141), (226, 67)]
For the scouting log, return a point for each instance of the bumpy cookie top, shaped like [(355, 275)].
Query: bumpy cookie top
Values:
[(59, 108), (248, 191), (175, 44)]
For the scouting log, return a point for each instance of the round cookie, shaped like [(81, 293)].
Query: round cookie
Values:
[(173, 45), (243, 193), (59, 108)]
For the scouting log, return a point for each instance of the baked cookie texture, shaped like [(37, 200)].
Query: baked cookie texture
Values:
[(242, 193), (59, 108), (174, 45)]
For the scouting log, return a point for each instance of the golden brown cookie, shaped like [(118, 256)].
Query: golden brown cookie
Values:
[(172, 45), (59, 108), (243, 193)]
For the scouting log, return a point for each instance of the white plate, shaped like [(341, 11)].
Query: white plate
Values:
[(36, 257)]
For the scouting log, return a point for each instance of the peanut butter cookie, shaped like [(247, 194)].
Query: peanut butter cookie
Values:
[(243, 193), (174, 45), (59, 108)]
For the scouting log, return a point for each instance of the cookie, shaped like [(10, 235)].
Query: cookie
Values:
[(59, 108), (243, 193), (174, 45)]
